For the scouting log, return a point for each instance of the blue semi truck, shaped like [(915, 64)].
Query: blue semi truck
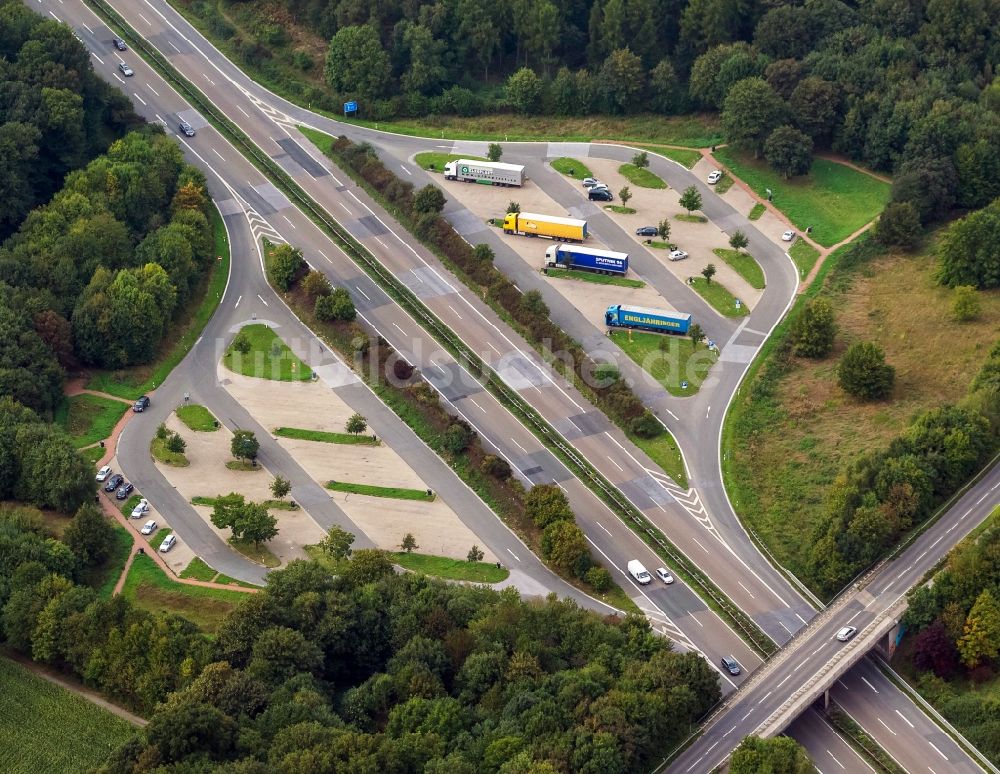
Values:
[(625, 316), (586, 258)]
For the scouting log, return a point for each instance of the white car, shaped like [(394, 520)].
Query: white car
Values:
[(678, 255), (664, 575), (168, 542), (126, 70), (148, 528), (592, 183), (846, 633), (714, 176), (103, 473), (141, 507), (589, 181), (788, 236)]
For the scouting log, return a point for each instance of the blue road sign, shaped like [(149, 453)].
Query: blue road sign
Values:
[(350, 107)]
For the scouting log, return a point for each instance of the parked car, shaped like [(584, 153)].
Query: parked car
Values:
[(714, 176), (590, 181), (678, 255), (141, 508), (120, 44), (168, 542), (103, 473), (114, 482), (664, 575), (124, 491), (148, 528), (646, 231), (846, 633), (186, 129), (730, 665), (600, 195), (126, 70), (788, 236), (141, 405)]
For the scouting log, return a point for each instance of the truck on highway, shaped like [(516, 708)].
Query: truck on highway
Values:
[(625, 316), (549, 226), (637, 571), (586, 258), (486, 172)]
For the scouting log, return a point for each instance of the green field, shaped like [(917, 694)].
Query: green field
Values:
[(434, 162), (744, 264), (269, 357), (149, 587), (198, 418), (677, 363), (640, 176), (756, 211), (323, 436), (88, 419), (804, 256), (686, 158), (256, 552), (834, 199), (92, 454), (600, 279), (719, 297), (158, 448), (392, 492), (573, 168), (198, 570), (450, 569), (47, 729)]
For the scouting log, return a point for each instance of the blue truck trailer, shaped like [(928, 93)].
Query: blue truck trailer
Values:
[(586, 258), (625, 316)]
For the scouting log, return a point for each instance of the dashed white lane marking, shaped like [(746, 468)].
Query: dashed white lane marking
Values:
[(747, 590), (178, 51), (708, 411), (456, 313), (937, 750), (262, 299), (612, 461), (477, 405), (243, 111), (673, 415), (765, 697), (836, 761), (405, 170), (603, 527), (55, 17), (519, 446), (145, 19), (217, 154), (87, 28), (208, 79), (153, 90), (869, 685), (119, 78), (363, 292), (237, 302), (399, 329), (905, 719), (136, 95), (324, 255), (700, 545), (889, 729), (288, 221), (97, 57), (513, 554), (381, 243), (346, 208)]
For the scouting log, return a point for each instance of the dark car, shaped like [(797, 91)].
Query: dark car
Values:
[(114, 482), (600, 195), (120, 44), (124, 491), (730, 665), (186, 129), (141, 405), (646, 231)]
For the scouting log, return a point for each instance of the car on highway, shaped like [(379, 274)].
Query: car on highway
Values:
[(731, 665), (664, 575), (141, 507), (168, 542), (714, 176), (103, 473), (119, 44), (646, 231), (788, 236), (114, 482), (846, 633), (124, 491), (141, 405), (186, 129), (678, 255), (126, 70), (149, 527)]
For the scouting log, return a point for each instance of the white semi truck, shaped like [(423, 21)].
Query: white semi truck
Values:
[(486, 172)]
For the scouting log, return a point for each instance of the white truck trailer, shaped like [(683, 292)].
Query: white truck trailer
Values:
[(486, 172)]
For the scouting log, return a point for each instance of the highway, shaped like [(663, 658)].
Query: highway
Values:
[(701, 512)]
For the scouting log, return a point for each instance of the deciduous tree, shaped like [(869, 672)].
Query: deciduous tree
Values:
[(788, 151), (690, 199), (244, 445), (863, 372), (814, 329), (751, 111)]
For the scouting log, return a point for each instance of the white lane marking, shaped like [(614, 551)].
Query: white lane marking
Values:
[(145, 19), (382, 243), (97, 57), (399, 329), (870, 685), (853, 617), (87, 28), (323, 254), (237, 302), (153, 90), (905, 719), (889, 729), (817, 651), (746, 716), (673, 415), (519, 446), (490, 343), (456, 313), (804, 621), (177, 50), (477, 405), (218, 154), (729, 732), (513, 554), (243, 111), (603, 527), (262, 299), (208, 79), (747, 590), (136, 95), (836, 761), (362, 292), (802, 663), (346, 208), (843, 685), (697, 761), (708, 411), (612, 461), (781, 683), (700, 545), (405, 170), (765, 697), (782, 624), (55, 17), (119, 78), (937, 750), (288, 221)]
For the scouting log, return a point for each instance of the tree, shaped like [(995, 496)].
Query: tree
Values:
[(965, 304), (283, 266), (663, 229), (814, 329), (494, 152), (533, 303), (430, 198), (898, 226), (475, 555), (863, 372), (751, 111), (690, 199), (625, 194), (980, 640), (815, 106), (89, 535), (337, 306), (356, 424), (409, 542), (738, 241), (622, 81), (696, 334), (968, 254), (789, 151), (280, 487), (708, 272), (176, 444), (249, 522), (564, 544), (934, 650), (356, 61), (640, 160), (483, 252), (779, 755), (244, 445), (523, 90), (337, 543), (316, 284), (547, 503), (241, 343), (513, 207), (666, 95), (930, 184)]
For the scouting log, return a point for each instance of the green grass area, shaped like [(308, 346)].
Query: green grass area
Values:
[(661, 245), (756, 211), (182, 335), (450, 569), (197, 418), (244, 466), (88, 419), (393, 492), (573, 168), (687, 217), (269, 357), (198, 570), (744, 264), (127, 506), (665, 452), (668, 359), (226, 580), (92, 454), (103, 578), (277, 505), (834, 199), (600, 279), (724, 184), (47, 728), (619, 209), (324, 436), (686, 158), (640, 176), (804, 256), (719, 297), (158, 537), (150, 588), (434, 162), (256, 552), (158, 448)]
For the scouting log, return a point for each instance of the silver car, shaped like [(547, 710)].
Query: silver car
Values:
[(149, 527), (126, 70), (846, 633)]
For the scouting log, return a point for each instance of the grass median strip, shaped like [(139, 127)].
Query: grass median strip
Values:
[(450, 569), (756, 211), (324, 436), (267, 358), (392, 492), (434, 162), (599, 279), (197, 418), (158, 448), (719, 297), (641, 176), (670, 360), (684, 157), (573, 168), (275, 505), (744, 264)]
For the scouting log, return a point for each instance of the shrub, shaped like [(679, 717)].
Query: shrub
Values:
[(496, 467), (316, 284), (646, 425), (284, 266), (965, 304), (863, 372), (898, 226), (335, 306), (458, 436), (598, 579), (814, 329)]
